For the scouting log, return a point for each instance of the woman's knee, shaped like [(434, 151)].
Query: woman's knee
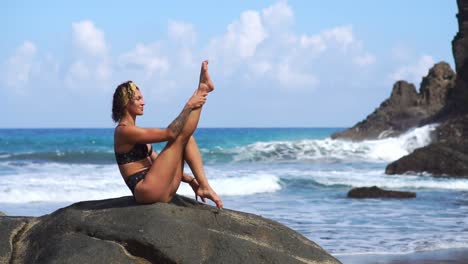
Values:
[(184, 136)]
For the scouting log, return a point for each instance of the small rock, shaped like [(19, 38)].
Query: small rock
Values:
[(376, 192)]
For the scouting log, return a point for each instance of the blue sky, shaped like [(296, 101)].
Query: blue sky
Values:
[(274, 63)]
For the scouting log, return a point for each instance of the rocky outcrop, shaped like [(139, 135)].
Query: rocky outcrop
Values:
[(405, 108), (448, 156), (438, 159), (376, 192), (443, 99), (2, 214), (459, 101), (183, 231)]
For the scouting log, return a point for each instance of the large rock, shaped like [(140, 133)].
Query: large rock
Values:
[(459, 100), (376, 192), (448, 156), (183, 231), (405, 108), (439, 159)]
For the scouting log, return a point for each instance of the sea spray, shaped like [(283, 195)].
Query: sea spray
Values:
[(326, 150)]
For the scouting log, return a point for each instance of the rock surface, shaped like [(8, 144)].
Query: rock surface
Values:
[(459, 100), (2, 214), (183, 231), (448, 156), (376, 192), (439, 159), (406, 108)]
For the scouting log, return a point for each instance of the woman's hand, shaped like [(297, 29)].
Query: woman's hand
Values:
[(194, 184), (197, 100)]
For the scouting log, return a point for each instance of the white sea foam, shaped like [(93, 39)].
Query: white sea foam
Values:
[(241, 185), (55, 182), (377, 177), (382, 150), (414, 246)]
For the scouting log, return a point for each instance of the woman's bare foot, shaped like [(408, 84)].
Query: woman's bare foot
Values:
[(205, 85), (208, 192)]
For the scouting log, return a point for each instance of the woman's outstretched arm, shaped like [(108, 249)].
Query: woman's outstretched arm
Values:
[(134, 134)]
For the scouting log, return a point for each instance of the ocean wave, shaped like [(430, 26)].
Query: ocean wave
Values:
[(61, 156), (329, 150), (241, 185), (56, 182), (368, 177), (415, 246), (303, 151)]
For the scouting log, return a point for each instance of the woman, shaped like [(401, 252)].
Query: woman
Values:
[(154, 177)]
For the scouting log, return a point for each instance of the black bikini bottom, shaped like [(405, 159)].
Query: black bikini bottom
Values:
[(134, 179)]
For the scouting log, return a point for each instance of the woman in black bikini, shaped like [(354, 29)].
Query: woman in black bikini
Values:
[(154, 177)]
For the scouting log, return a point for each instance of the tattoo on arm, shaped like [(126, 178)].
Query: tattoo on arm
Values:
[(178, 124)]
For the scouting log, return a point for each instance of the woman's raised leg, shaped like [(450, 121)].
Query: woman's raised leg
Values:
[(156, 187)]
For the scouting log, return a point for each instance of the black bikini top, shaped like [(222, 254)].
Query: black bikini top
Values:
[(138, 152)]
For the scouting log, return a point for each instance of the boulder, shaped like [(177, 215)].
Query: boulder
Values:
[(405, 108), (10, 229), (439, 159), (183, 231), (376, 192)]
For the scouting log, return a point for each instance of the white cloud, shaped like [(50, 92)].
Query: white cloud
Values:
[(260, 45), (315, 43), (263, 46), (89, 38), (183, 37), (20, 66), (92, 62), (103, 71), (182, 32), (343, 36), (294, 79), (278, 16), (261, 67), (413, 72), (241, 39), (364, 59), (78, 71), (146, 57)]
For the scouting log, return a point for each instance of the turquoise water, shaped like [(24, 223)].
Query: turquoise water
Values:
[(297, 176)]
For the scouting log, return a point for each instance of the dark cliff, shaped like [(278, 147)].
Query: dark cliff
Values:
[(442, 99), (406, 108), (448, 155)]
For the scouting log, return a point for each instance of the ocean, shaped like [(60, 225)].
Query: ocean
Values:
[(296, 176)]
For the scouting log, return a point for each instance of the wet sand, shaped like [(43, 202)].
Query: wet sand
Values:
[(452, 256)]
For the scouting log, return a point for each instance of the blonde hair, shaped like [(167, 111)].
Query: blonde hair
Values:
[(122, 95)]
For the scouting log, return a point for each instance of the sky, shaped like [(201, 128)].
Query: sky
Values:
[(274, 63)]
